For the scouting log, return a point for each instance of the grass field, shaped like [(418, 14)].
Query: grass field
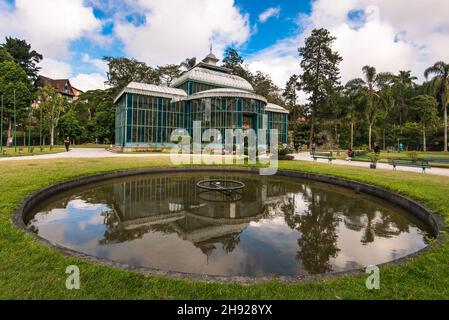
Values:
[(11, 152), (30, 270)]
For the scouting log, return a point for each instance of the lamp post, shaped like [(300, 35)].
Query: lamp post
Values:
[(1, 127), (29, 128), (15, 123), (40, 127)]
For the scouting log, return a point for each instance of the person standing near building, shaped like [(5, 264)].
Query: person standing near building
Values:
[(67, 144)]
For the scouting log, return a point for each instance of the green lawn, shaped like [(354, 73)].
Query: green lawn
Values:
[(384, 156), (11, 152), (32, 270)]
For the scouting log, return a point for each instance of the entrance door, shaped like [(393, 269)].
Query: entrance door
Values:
[(248, 122)]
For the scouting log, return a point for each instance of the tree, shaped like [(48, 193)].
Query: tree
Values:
[(369, 90), (15, 87), (52, 105), (290, 93), (425, 109), (24, 56), (122, 71), (264, 86), (232, 60), (402, 89), (321, 74), (168, 73), (69, 125), (188, 63), (5, 55), (440, 70), (101, 124)]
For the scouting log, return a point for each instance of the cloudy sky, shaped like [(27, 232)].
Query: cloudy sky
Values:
[(74, 35)]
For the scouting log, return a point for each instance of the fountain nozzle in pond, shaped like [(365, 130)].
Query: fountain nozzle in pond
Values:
[(229, 188)]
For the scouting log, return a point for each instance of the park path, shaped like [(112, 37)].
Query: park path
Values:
[(81, 153), (304, 156)]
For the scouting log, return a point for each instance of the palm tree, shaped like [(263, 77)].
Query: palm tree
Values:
[(402, 87), (188, 63), (369, 90), (440, 70)]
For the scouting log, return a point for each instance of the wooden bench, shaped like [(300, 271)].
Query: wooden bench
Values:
[(360, 156), (437, 160), (323, 155), (417, 163)]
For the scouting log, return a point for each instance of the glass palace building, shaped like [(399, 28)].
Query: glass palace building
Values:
[(146, 115)]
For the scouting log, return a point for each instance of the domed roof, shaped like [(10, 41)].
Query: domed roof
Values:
[(215, 78), (226, 92)]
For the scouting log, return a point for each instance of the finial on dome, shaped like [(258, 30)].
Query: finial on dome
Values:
[(211, 58)]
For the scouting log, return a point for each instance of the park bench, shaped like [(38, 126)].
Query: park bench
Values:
[(323, 155), (417, 163), (437, 160), (360, 156)]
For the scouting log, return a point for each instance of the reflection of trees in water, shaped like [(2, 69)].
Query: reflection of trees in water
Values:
[(373, 220), (317, 225)]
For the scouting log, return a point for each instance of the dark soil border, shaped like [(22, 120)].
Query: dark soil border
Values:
[(425, 215)]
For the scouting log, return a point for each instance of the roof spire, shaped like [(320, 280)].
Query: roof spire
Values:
[(211, 58)]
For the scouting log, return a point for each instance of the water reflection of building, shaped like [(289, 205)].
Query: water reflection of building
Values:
[(171, 204)]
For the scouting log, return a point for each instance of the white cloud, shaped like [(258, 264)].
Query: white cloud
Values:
[(269, 13), (91, 81), (55, 69), (50, 25), (390, 35), (99, 64), (177, 29)]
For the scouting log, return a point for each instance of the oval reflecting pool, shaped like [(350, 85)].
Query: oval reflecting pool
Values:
[(273, 226)]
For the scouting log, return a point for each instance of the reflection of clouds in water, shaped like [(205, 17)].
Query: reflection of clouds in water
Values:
[(74, 226), (152, 250), (83, 205), (268, 223), (379, 251)]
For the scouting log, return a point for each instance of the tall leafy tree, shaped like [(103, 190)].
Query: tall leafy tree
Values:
[(440, 71), (264, 85), (122, 71), (321, 74), (370, 91), (188, 63), (5, 55), (402, 90), (424, 107), (232, 60), (15, 87), (290, 93), (168, 73), (24, 56), (52, 104), (69, 124), (100, 125)]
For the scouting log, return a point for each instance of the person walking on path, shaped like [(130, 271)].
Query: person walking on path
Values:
[(313, 148), (67, 144), (376, 148)]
